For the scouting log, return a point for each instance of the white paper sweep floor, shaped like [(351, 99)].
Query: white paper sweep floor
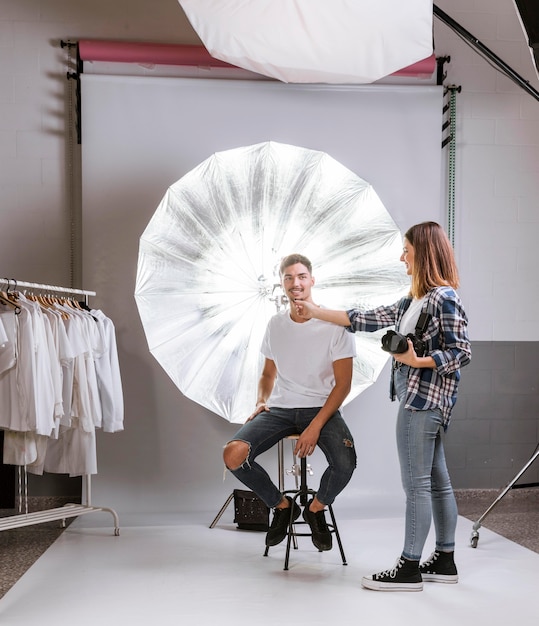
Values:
[(187, 573)]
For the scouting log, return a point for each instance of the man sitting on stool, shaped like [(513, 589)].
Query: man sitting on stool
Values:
[(306, 377)]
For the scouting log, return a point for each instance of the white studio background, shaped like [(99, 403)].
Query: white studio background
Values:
[(141, 134)]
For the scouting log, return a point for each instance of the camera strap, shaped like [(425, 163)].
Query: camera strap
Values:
[(422, 324)]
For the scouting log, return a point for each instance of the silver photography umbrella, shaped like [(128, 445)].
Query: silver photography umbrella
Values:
[(207, 275)]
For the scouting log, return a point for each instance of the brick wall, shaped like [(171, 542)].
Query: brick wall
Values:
[(495, 426)]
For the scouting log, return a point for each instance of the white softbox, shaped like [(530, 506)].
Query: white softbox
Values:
[(315, 41)]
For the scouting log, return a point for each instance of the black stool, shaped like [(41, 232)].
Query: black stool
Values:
[(302, 494)]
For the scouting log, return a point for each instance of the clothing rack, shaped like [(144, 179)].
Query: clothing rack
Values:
[(11, 284), (69, 510)]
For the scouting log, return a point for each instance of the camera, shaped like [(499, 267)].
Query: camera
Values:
[(397, 344)]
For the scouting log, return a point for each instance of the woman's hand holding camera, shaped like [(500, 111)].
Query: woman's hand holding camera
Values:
[(410, 358)]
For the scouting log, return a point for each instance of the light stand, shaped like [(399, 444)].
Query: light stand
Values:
[(511, 485)]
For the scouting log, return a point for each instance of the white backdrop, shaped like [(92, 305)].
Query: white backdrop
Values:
[(141, 134)]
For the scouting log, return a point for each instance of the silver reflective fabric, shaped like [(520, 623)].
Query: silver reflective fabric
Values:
[(207, 275)]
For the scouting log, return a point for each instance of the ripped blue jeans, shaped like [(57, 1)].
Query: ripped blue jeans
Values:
[(269, 427)]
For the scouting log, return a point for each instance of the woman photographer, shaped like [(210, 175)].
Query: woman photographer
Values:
[(426, 387)]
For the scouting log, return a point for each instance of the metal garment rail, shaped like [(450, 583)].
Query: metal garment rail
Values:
[(11, 284), (69, 510)]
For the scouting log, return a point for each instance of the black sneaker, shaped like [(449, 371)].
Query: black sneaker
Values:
[(320, 533), (280, 523), (439, 568), (405, 576)]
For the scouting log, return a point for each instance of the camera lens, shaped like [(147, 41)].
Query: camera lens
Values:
[(394, 342)]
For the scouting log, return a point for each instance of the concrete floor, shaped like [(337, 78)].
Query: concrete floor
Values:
[(515, 516)]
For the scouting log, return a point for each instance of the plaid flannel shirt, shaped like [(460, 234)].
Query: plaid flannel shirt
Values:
[(446, 340)]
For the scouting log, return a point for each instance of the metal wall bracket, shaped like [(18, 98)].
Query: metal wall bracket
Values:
[(75, 69), (485, 52)]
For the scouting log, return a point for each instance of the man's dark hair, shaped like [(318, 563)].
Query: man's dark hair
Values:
[(292, 259)]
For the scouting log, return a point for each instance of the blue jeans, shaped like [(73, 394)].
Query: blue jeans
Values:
[(269, 427), (425, 479)]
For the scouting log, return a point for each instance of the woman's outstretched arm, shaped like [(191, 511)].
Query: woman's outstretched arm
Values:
[(308, 310)]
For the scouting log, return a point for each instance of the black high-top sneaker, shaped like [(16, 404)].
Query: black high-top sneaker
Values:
[(281, 521), (439, 568), (320, 533), (404, 576)]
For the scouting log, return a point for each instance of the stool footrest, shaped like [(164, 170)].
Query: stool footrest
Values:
[(304, 494)]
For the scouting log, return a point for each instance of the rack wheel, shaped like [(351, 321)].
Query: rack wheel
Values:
[(474, 539), (116, 532)]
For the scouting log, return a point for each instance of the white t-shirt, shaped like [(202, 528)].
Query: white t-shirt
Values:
[(303, 354), (410, 317)]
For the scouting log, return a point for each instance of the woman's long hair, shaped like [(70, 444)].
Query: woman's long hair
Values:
[(434, 261)]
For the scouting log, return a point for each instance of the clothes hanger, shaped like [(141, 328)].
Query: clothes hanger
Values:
[(10, 297), (6, 300)]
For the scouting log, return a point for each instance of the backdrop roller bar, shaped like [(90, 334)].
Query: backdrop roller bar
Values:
[(192, 56)]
